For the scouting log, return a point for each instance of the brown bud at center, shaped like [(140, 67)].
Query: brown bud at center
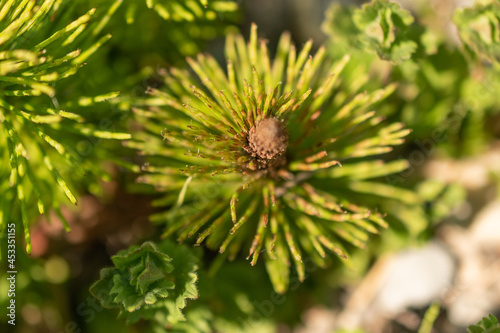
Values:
[(268, 139)]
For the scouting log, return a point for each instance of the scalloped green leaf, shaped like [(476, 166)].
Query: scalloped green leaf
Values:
[(479, 29), (383, 26), (149, 282), (488, 324)]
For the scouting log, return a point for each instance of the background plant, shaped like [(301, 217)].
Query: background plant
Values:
[(438, 83), (149, 282), (487, 324)]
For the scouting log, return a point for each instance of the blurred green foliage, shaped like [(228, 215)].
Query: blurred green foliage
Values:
[(486, 325), (45, 133), (442, 95), (479, 30), (384, 26)]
